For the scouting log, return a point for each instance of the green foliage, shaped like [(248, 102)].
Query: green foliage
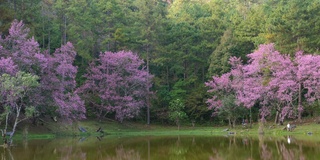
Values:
[(230, 110), (15, 91), (183, 42), (294, 25), (220, 56), (6, 16), (195, 105), (176, 112), (84, 24), (6, 111), (237, 33), (230, 45), (313, 110), (178, 90), (159, 110), (18, 85), (16, 88)]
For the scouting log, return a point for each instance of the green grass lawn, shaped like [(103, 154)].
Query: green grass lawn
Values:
[(54, 129)]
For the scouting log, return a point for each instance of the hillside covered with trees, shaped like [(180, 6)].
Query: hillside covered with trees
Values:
[(160, 61)]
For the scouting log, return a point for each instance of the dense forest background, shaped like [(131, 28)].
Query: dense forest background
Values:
[(183, 42)]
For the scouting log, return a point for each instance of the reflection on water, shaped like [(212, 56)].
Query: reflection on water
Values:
[(159, 148), (124, 154)]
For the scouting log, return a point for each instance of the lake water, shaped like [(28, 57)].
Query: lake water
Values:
[(163, 148)]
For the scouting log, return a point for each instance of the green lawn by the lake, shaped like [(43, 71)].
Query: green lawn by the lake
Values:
[(55, 129)]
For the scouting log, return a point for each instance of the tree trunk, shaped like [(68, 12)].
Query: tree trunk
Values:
[(184, 70), (167, 76), (49, 41), (234, 123), (4, 132), (148, 110), (299, 104), (276, 119), (148, 100), (43, 30), (261, 127), (16, 121), (250, 118), (15, 9), (65, 29), (6, 127)]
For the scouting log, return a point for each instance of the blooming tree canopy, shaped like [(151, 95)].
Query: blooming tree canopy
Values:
[(308, 74), (120, 82), (55, 92), (274, 81), (225, 88), (269, 79)]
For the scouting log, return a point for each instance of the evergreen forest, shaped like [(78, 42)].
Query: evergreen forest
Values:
[(160, 61)]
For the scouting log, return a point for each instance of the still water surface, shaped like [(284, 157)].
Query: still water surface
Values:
[(163, 148)]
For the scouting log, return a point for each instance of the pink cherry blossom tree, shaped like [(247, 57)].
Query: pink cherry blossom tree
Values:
[(56, 89), (308, 78), (7, 66), (225, 88), (274, 81), (58, 84), (121, 83), (269, 80), (281, 80)]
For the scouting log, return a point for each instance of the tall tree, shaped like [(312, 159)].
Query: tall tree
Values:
[(269, 80), (272, 80), (176, 112), (60, 7), (188, 40), (225, 89), (6, 16), (307, 78), (58, 84), (14, 92), (117, 85), (276, 81), (56, 72), (240, 26), (48, 28), (149, 18), (85, 21), (298, 26)]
